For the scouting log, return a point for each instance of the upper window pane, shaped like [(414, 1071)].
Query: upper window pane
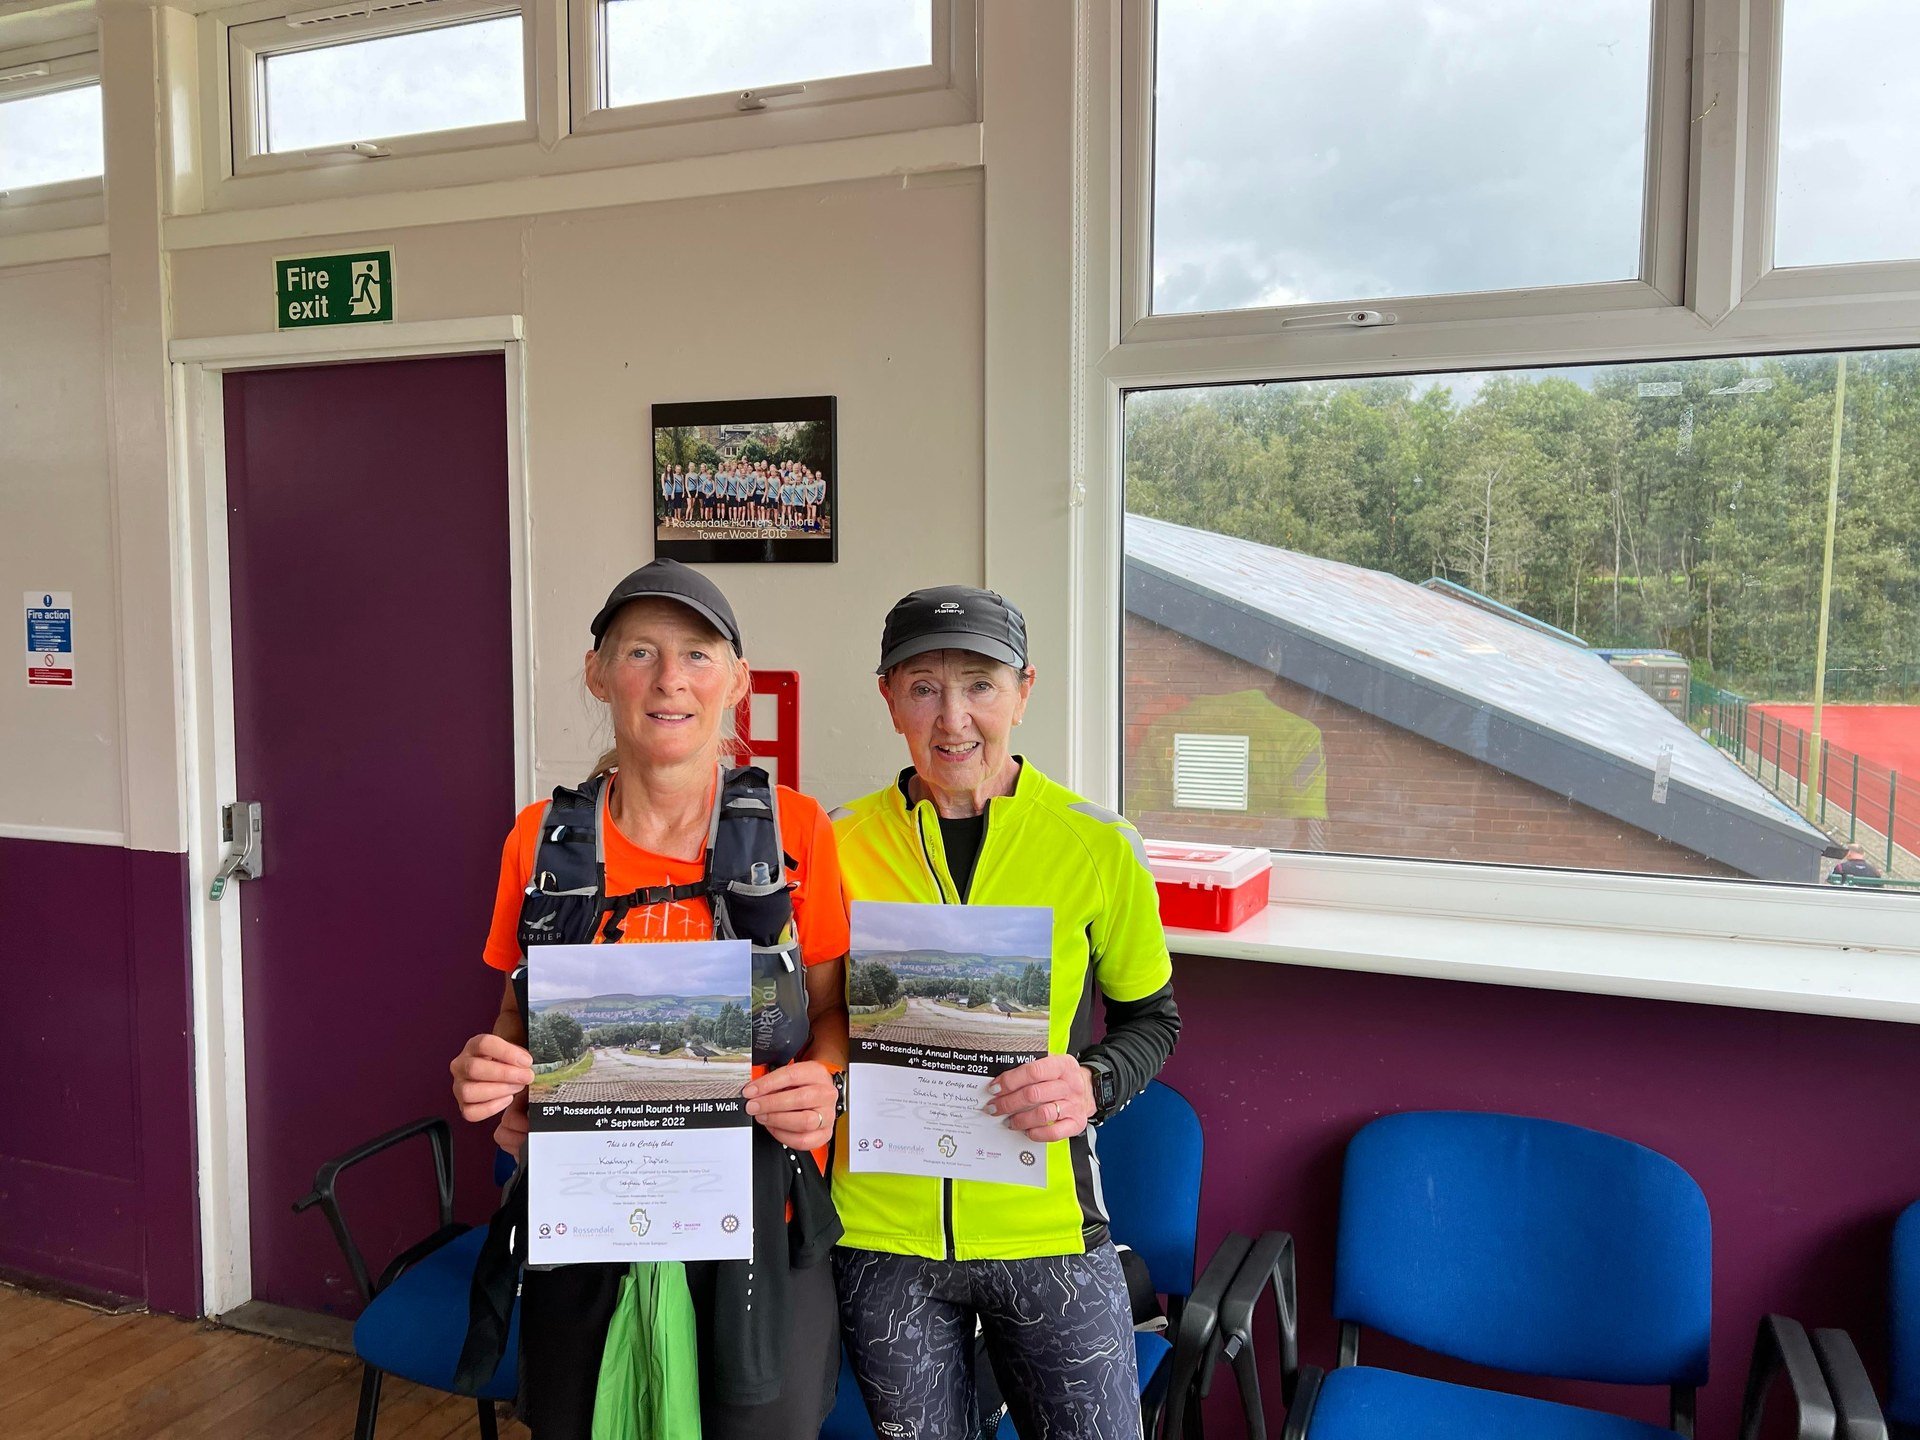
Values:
[(1560, 618), (45, 139), (1849, 129), (1328, 150), (442, 79), (672, 49)]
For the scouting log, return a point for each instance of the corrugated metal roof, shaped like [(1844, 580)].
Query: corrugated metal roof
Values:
[(1571, 699)]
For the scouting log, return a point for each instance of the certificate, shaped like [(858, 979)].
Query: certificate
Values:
[(940, 999), (639, 1144)]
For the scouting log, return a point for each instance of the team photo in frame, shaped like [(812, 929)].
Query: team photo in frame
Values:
[(746, 480)]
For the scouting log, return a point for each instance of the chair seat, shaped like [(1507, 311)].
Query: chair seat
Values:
[(415, 1327), (1150, 1350), (1358, 1402)]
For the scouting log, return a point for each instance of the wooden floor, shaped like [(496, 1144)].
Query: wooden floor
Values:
[(67, 1372)]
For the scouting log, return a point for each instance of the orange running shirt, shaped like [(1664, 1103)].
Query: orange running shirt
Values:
[(819, 912)]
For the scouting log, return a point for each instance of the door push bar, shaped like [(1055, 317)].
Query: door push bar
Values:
[(245, 860)]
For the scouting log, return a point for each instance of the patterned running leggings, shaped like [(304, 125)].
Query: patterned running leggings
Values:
[(1057, 1329)]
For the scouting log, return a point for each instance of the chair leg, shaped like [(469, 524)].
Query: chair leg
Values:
[(489, 1426), (363, 1423)]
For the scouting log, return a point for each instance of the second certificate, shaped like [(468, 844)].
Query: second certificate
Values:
[(940, 999)]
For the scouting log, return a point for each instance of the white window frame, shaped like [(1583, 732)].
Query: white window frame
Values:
[(1659, 284), (251, 36), (828, 107), (65, 67), (1821, 950)]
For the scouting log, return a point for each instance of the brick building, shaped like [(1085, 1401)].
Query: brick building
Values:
[(1283, 700)]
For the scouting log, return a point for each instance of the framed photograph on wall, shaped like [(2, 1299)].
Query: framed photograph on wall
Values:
[(746, 480)]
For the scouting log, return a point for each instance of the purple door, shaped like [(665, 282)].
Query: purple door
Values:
[(373, 720)]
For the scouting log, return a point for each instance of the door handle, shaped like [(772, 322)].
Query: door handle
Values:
[(240, 828)]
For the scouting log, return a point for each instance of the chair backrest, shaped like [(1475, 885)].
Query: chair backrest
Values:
[(1149, 1159), (1903, 1329), (1528, 1245)]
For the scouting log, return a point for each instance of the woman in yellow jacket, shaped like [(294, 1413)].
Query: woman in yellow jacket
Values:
[(923, 1259)]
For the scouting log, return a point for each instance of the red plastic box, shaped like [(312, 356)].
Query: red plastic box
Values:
[(1208, 887)]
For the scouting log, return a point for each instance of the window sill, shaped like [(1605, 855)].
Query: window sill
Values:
[(1729, 949)]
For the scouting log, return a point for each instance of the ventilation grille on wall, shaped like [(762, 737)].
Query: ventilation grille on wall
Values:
[(1210, 772)]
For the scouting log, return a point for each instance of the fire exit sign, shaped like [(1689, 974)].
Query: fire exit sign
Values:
[(354, 289)]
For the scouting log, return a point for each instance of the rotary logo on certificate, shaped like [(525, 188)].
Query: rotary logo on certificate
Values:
[(639, 1144), (940, 999)]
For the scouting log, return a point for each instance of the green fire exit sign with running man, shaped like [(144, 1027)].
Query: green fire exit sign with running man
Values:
[(354, 289)]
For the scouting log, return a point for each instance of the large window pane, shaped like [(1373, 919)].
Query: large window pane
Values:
[(1561, 618), (1849, 129), (672, 49), (424, 80), (48, 138), (1325, 150)]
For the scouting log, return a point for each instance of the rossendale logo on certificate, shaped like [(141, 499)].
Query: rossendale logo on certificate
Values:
[(640, 1147), (940, 999)]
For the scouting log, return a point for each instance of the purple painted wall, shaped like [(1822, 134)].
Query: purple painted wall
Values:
[(97, 1139), (1803, 1131)]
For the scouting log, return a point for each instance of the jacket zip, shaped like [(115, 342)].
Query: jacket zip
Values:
[(946, 1184)]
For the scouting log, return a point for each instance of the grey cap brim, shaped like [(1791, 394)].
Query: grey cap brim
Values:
[(951, 640), (613, 607)]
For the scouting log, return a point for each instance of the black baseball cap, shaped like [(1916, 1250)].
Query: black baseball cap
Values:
[(954, 617), (670, 580)]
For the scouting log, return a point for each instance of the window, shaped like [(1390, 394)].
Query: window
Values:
[(374, 79), (673, 49), (1849, 128), (1582, 618), (654, 62), (1322, 151), (50, 125)]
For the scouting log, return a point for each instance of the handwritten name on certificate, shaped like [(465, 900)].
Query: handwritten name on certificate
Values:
[(940, 999), (639, 1144)]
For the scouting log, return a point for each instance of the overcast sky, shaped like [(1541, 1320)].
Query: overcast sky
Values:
[(971, 929), (47, 138), (578, 972)]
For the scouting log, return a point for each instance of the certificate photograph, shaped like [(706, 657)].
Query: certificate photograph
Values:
[(940, 999), (745, 480), (640, 1147)]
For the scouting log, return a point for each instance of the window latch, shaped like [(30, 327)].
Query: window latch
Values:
[(1335, 319), (364, 148), (757, 99), (25, 72)]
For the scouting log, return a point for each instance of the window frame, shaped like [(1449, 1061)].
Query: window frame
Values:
[(1663, 236), (251, 35), (70, 65), (1110, 353), (940, 93)]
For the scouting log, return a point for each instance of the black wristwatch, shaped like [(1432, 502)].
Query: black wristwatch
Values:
[(1106, 1089), (839, 1092)]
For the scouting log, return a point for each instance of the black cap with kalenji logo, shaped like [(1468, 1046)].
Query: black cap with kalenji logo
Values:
[(954, 617), (670, 580)]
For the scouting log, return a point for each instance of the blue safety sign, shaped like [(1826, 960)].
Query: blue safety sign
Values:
[(49, 637)]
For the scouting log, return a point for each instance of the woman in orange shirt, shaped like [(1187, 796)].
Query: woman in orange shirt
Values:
[(667, 661)]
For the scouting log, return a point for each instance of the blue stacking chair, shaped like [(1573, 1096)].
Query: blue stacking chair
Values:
[(1535, 1247), (415, 1320), (1903, 1359), (1861, 1417), (1150, 1158)]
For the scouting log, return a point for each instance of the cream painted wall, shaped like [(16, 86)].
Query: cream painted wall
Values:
[(63, 769), (871, 291)]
